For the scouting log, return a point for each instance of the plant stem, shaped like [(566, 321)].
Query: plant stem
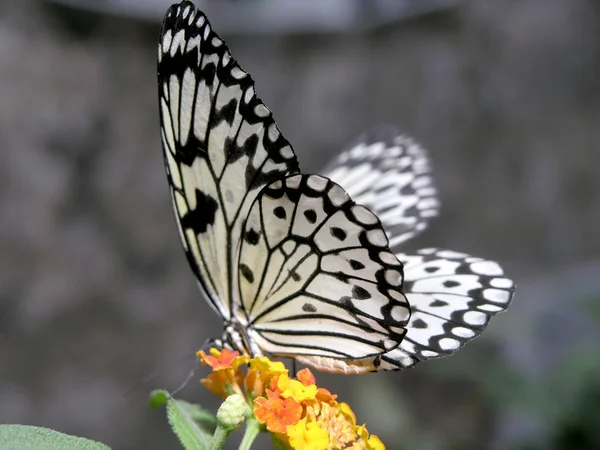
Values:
[(252, 429), (220, 436)]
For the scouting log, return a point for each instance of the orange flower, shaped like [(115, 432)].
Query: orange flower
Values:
[(225, 359), (277, 413), (306, 377), (324, 396), (224, 382), (274, 390), (226, 378)]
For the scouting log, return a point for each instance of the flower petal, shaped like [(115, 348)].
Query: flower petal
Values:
[(307, 436), (277, 413)]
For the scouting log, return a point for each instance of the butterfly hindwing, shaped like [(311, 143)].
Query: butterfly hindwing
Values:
[(316, 275), (389, 173), (221, 146), (452, 297)]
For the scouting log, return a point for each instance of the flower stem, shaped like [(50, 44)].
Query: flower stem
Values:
[(220, 436), (253, 427)]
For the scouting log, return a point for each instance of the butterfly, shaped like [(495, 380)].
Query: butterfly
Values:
[(306, 266)]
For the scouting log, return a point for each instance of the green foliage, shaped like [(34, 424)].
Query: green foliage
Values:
[(193, 426), (567, 401), (576, 392), (197, 428), (158, 398), (24, 437)]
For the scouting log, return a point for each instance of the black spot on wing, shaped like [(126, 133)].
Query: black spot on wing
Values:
[(227, 113), (204, 215), (252, 237), (338, 233), (309, 307), (346, 303), (438, 303), (310, 215), (247, 273), (450, 283), (341, 276), (356, 265), (418, 323), (360, 293), (279, 212), (248, 148)]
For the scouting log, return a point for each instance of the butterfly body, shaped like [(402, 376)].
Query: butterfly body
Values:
[(300, 265)]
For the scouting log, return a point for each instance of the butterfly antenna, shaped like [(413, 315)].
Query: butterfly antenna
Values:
[(154, 373), (207, 343), (160, 369), (187, 379)]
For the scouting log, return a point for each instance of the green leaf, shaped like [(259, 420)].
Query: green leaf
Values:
[(206, 420), (158, 398), (592, 307), (24, 437), (193, 425)]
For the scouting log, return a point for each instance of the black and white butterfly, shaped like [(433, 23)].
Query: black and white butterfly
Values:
[(293, 264)]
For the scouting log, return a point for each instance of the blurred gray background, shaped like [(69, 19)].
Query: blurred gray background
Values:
[(95, 291)]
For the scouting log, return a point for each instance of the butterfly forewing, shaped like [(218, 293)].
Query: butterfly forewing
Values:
[(221, 146), (389, 173), (316, 274)]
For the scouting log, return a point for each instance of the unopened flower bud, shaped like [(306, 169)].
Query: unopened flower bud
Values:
[(232, 412)]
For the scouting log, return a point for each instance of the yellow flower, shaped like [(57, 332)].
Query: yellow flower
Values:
[(295, 389), (339, 429), (374, 443), (347, 412), (300, 415), (260, 372), (307, 436), (366, 442), (266, 366)]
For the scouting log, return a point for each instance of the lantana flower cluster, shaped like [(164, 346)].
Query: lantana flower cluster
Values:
[(298, 414)]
